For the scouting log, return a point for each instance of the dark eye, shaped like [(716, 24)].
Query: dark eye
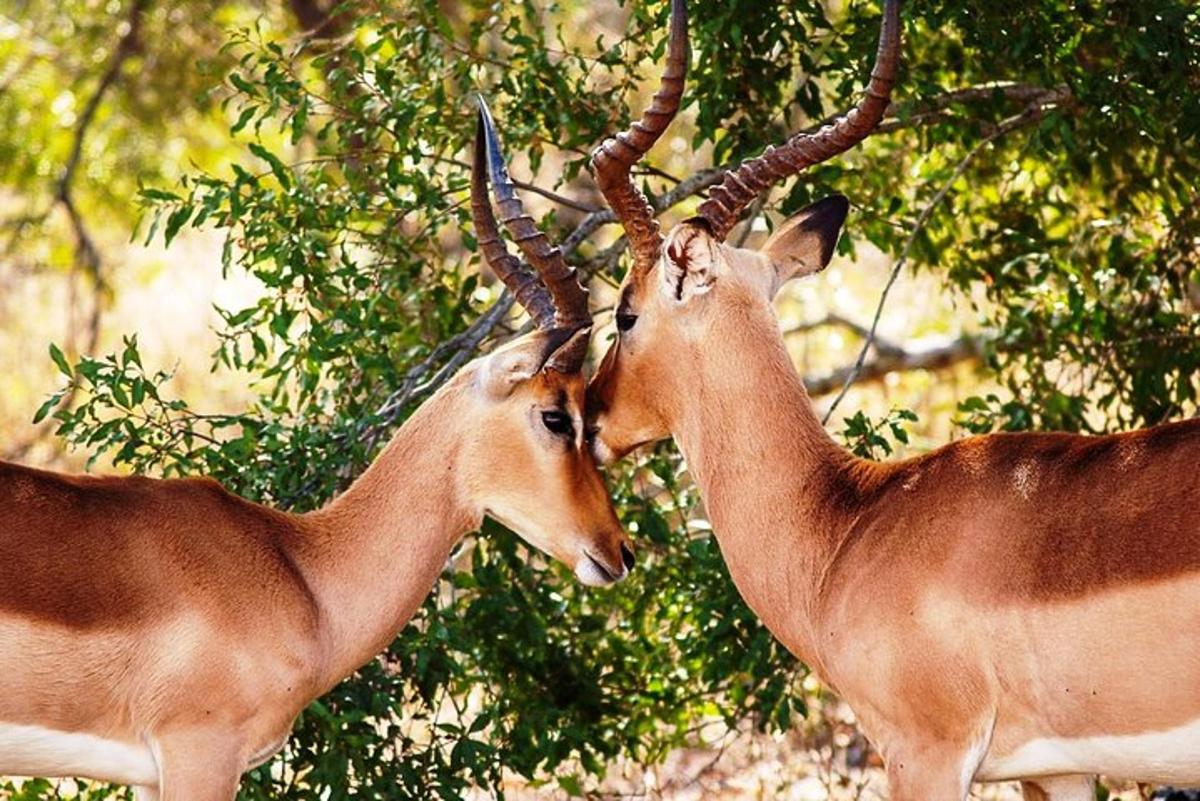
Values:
[(558, 423), (625, 320)]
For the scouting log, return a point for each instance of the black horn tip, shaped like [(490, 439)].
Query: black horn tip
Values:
[(497, 171), (483, 117)]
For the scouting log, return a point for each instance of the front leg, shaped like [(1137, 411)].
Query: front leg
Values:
[(931, 771), (198, 765)]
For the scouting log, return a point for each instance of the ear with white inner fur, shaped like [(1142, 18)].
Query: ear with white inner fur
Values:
[(689, 263), (804, 244), (521, 360)]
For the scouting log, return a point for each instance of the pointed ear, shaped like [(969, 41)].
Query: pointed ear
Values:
[(568, 357), (522, 359), (804, 244), (690, 262)]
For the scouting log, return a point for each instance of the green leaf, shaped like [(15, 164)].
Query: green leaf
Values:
[(60, 360), (278, 169), (175, 221), (47, 407)]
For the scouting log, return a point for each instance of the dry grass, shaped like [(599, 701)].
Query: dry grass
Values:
[(824, 759)]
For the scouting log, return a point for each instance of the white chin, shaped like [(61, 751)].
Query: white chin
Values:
[(590, 574), (602, 453)]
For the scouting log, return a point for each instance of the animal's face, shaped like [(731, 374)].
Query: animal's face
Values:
[(529, 467), (680, 310)]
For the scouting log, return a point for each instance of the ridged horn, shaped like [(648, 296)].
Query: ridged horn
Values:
[(526, 287), (569, 297), (743, 184), (612, 161)]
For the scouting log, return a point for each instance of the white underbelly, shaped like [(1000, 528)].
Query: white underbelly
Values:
[(34, 751), (1171, 756)]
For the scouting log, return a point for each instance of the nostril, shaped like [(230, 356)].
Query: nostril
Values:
[(627, 556)]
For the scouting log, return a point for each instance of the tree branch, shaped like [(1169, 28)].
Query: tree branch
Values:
[(87, 255), (833, 319), (1028, 116), (561, 200), (933, 357), (932, 109), (126, 46)]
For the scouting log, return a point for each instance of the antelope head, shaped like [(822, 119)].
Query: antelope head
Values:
[(529, 394), (692, 297)]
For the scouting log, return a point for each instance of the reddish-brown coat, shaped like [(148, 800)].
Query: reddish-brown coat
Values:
[(85, 553)]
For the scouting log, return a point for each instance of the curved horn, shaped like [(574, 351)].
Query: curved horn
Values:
[(569, 297), (612, 161), (519, 279), (744, 183)]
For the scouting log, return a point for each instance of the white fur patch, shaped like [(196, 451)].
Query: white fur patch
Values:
[(1166, 757), (1025, 478), (590, 574), (35, 751), (1131, 450), (974, 758)]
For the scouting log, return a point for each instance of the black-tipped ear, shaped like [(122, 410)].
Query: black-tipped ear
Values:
[(804, 244), (561, 349), (568, 356)]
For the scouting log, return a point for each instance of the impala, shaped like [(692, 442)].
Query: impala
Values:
[(208, 622), (1013, 606)]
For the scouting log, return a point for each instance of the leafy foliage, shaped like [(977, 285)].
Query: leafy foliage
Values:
[(1074, 234), (869, 439)]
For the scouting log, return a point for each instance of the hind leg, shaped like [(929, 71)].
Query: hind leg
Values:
[(1060, 788)]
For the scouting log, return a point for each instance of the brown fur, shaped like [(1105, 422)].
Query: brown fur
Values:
[(1104, 531), (175, 616), (967, 602), (117, 523)]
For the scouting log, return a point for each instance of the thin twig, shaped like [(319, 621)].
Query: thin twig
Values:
[(562, 200), (1026, 117)]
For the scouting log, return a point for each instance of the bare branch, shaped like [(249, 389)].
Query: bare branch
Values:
[(1028, 116), (833, 319), (561, 200), (126, 46), (930, 109), (934, 357), (692, 185)]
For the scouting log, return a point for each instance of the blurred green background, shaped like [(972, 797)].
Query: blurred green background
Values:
[(234, 240)]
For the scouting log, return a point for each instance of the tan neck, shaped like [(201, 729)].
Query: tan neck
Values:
[(761, 460), (376, 550)]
